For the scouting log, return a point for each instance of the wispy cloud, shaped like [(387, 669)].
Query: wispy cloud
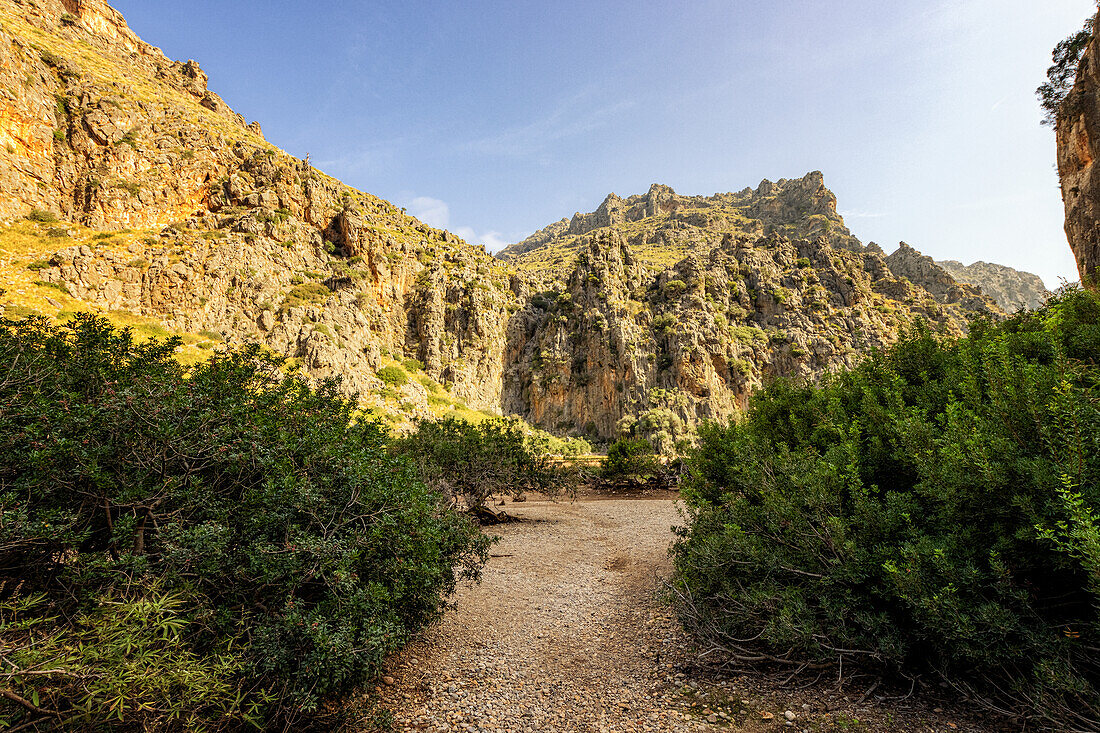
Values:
[(369, 158), (437, 213), (573, 117), (863, 214), (430, 211)]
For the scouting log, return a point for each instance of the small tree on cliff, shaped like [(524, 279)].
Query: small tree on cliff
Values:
[(1061, 74)]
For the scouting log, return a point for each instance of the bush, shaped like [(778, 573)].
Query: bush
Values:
[(476, 461), (305, 294), (933, 510), (42, 216), (413, 365), (630, 458), (394, 376), (673, 288), (665, 323), (251, 550)]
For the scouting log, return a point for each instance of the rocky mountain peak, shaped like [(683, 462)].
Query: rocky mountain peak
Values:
[(1012, 289)]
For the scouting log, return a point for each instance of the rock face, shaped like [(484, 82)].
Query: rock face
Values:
[(802, 208), (243, 241), (647, 315), (922, 270), (660, 310), (100, 127), (1012, 289), (1077, 130)]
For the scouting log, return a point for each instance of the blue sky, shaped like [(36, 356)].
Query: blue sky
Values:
[(495, 118)]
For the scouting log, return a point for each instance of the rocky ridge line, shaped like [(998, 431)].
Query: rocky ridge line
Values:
[(1012, 289)]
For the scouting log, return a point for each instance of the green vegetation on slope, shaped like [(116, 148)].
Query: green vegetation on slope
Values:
[(199, 548), (934, 510)]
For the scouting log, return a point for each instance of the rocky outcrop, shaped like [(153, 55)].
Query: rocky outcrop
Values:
[(98, 126), (1077, 130), (244, 241), (923, 271), (613, 341), (798, 208), (1013, 289)]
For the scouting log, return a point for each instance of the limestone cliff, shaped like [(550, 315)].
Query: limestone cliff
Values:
[(213, 230), (659, 310), (1012, 289), (1077, 130)]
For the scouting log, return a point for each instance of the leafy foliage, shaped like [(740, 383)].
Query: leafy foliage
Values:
[(393, 375), (475, 461), (42, 216), (1060, 76), (934, 510), (228, 521), (630, 458)]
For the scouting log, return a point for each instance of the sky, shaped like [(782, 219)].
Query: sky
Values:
[(494, 118)]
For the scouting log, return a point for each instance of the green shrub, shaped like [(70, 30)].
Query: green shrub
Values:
[(413, 365), (475, 461), (191, 548), (665, 323), (55, 286), (393, 375), (306, 293), (131, 187), (630, 458), (933, 510), (42, 216), (673, 288)]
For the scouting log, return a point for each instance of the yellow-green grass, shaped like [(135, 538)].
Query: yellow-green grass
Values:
[(26, 246)]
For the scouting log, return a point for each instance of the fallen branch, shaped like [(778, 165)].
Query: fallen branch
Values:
[(27, 703)]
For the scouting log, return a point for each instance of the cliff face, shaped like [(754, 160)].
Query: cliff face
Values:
[(100, 127), (233, 238), (1077, 130), (1012, 289), (657, 311), (802, 208), (645, 316)]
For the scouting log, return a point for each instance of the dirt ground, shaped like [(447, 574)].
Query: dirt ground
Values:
[(567, 632)]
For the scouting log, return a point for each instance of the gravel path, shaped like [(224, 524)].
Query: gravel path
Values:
[(563, 633), (566, 632)]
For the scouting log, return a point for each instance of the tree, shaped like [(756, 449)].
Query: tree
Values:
[(471, 461), (1061, 74)]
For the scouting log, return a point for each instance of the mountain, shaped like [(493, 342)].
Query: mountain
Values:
[(1012, 289), (179, 217), (658, 310), (132, 190)]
